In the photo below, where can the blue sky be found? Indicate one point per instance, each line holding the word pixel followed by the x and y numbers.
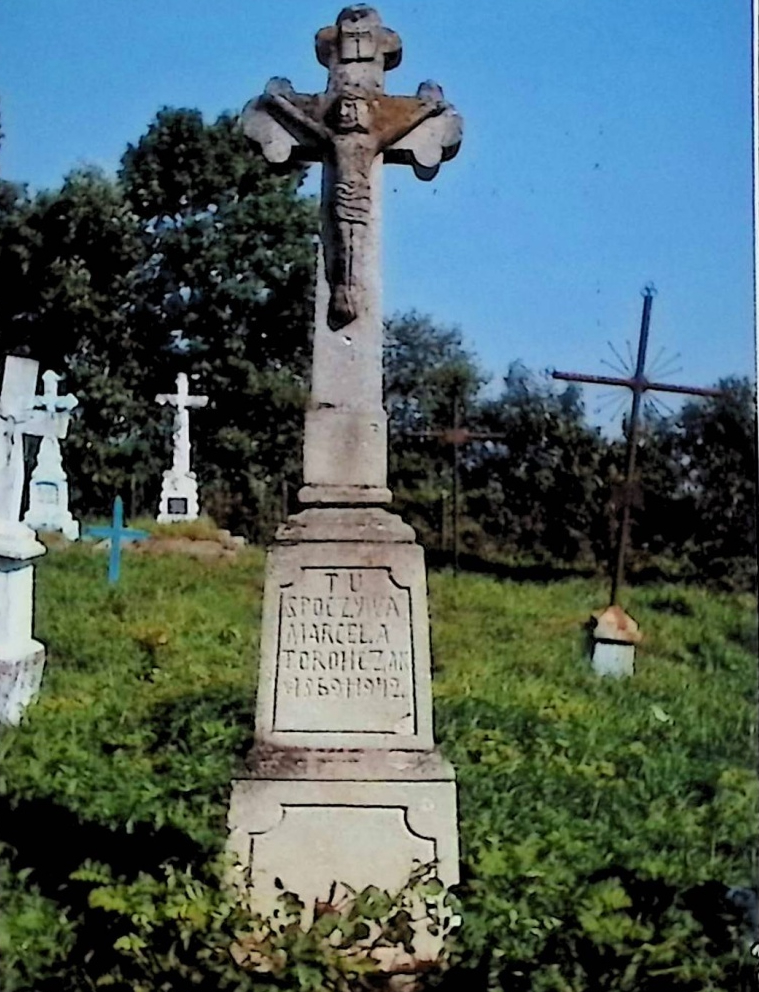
pixel 607 144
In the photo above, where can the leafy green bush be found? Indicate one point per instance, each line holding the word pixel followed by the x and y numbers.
pixel 601 821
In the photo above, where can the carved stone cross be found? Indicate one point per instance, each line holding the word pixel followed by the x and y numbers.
pixel 55 406
pixel 351 129
pixel 183 403
pixel 17 418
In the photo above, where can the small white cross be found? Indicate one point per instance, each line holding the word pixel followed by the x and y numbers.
pixel 183 403
pixel 56 407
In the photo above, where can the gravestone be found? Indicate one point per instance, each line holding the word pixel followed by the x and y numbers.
pixel 344 782
pixel 179 492
pixel 48 486
pixel 22 659
pixel 614 635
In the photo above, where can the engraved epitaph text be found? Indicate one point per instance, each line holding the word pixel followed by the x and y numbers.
pixel 345 654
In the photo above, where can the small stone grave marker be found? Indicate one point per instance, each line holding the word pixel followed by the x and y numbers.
pixel 614 634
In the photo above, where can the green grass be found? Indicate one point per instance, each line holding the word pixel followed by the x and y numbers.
pixel 600 820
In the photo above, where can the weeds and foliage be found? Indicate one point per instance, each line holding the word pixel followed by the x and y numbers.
pixel 601 822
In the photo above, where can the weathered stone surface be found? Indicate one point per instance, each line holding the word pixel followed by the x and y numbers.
pixel 22 659
pixel 356 832
pixel 345 647
pixel 351 128
pixel 48 486
pixel 20 681
pixel 17 418
pixel 614 635
pixel 343 783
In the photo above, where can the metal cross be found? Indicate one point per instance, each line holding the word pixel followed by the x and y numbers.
pixel 638 384
pixel 116 534
pixel 456 435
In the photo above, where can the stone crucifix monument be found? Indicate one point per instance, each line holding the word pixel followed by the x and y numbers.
pixel 48 486
pixel 22 659
pixel 179 492
pixel 344 782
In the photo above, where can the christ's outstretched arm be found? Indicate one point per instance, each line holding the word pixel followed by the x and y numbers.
pixel 280 97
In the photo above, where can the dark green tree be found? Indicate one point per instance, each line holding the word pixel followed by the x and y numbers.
pixel 537 492
pixel 426 368
pixel 712 453
pixel 196 258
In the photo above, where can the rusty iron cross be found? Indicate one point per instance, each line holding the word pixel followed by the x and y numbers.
pixel 638 384
pixel 347 128
pixel 456 435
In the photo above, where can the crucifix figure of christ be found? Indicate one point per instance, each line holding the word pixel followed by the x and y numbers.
pixel 456 435
pixel 351 129
pixel 638 384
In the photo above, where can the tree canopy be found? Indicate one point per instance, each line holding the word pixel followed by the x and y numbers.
pixel 198 257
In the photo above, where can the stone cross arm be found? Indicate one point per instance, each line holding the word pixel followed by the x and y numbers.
pixel 182 399
pixel 421 131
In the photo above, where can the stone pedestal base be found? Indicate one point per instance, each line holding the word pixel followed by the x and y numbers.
pixel 52 518
pixel 361 818
pixel 22 659
pixel 344 784
pixel 20 680
pixel 179 498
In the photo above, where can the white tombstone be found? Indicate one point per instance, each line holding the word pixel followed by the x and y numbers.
pixel 48 487
pixel 22 659
pixel 179 492
pixel 614 635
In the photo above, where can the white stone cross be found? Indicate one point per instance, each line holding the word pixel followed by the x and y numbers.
pixel 351 129
pixel 56 407
pixel 48 490
pixel 18 417
pixel 183 403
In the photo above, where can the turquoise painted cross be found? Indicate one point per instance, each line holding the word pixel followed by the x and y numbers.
pixel 117 534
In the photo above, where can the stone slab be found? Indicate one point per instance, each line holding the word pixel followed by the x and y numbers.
pixel 613 658
pixel 355 832
pixel 20 680
pixel 345 660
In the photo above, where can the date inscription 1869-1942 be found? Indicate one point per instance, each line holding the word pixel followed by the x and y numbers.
pixel 345 654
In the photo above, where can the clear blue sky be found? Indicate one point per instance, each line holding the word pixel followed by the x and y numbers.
pixel 607 143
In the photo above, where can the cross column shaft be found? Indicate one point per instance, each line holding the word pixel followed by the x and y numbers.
pixel 345 443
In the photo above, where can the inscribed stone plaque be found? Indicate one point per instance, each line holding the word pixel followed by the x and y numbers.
pixel 177 504
pixel 345 654
pixel 48 493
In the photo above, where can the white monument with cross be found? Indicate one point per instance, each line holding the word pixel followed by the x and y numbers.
pixel 48 486
pixel 344 782
pixel 179 492
pixel 22 659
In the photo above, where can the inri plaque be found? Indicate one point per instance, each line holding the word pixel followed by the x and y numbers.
pixel 345 654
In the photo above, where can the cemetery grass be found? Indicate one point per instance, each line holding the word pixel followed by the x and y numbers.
pixel 601 821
